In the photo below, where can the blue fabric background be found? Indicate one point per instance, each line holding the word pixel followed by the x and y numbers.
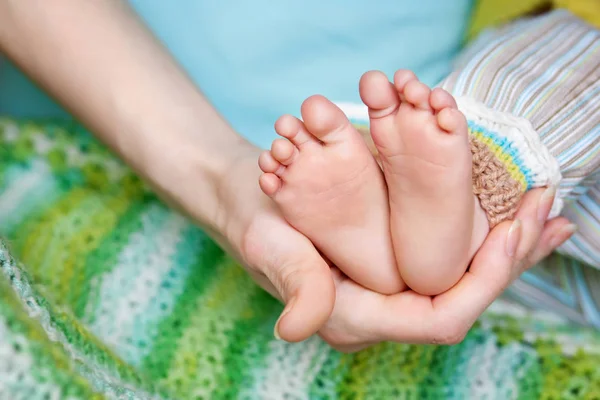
pixel 258 59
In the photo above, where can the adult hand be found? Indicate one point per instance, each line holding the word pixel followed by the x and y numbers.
pixel 279 258
pixel 286 264
pixel 133 107
pixel 362 318
pixel 116 78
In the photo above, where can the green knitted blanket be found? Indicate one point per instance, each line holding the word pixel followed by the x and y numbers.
pixel 106 293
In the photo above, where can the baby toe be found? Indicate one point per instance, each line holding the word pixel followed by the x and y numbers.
pixel 417 94
pixel 269 184
pixel 452 121
pixel 283 151
pixel 440 99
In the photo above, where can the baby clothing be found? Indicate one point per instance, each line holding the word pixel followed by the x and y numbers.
pixel 116 296
pixel 532 90
pixel 531 94
pixel 112 295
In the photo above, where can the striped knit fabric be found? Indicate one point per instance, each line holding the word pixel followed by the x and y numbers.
pixel 508 160
pixel 545 73
pixel 105 293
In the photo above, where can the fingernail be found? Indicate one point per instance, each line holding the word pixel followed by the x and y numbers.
pixel 286 310
pixel 562 235
pixel 545 203
pixel 514 237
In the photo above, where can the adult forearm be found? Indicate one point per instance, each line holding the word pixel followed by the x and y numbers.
pixel 103 65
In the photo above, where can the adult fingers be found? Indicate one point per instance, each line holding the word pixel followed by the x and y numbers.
pixel 446 319
pixel 307 287
pixel 490 273
pixel 533 213
pixel 504 254
pixel 344 331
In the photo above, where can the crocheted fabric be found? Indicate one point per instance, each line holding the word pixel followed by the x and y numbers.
pixel 508 160
pixel 105 293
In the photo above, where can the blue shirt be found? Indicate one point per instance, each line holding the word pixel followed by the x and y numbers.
pixel 256 60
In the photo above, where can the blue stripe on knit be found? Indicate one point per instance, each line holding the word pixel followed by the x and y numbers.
pixel 524 58
pixel 507 148
pixel 571 249
pixel 543 78
pixel 588 304
pixel 567 116
pixel 171 286
pixel 42 192
pixel 592 207
pixel 122 279
pixel 558 292
pixel 145 286
pixel 491 363
pixel 510 365
pixel 449 363
pixel 477 61
pixel 588 142
pixel 582 248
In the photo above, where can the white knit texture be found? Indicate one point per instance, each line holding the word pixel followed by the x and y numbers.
pixel 544 167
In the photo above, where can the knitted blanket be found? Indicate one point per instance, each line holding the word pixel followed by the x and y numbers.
pixel 106 293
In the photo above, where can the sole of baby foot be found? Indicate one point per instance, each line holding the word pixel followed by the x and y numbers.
pixel 422 140
pixel 329 187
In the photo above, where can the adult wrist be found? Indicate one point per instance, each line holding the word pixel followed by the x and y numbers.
pixel 185 164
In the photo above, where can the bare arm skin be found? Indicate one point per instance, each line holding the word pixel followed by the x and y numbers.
pixel 102 64
pixel 98 60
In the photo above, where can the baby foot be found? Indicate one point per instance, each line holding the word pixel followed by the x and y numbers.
pixel 329 187
pixel 422 140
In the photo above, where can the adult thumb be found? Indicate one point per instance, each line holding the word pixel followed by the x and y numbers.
pixel 309 292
